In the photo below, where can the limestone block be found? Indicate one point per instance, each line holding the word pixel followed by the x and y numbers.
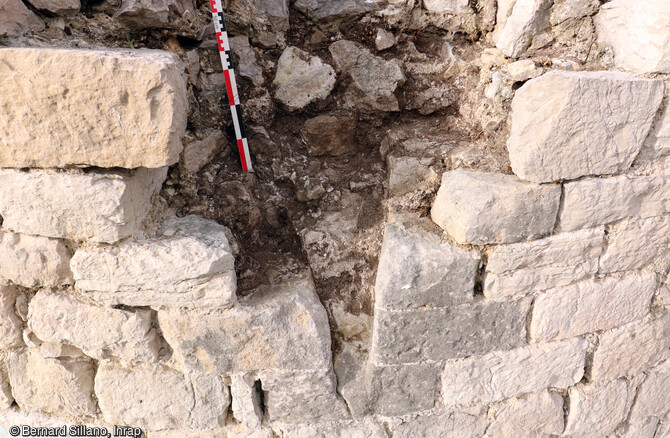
pixel 374 77
pixel 366 428
pixel 596 201
pixel 106 108
pixel 100 332
pixel 403 389
pixel 34 261
pixel 631 349
pixel 538 415
pixel 246 404
pixel 636 244
pixel 653 395
pixel 155 397
pixel 501 375
pixel 639 34
pixel 301 79
pixel 283 327
pixel 450 6
pixel 408 174
pixel 16 19
pixel 63 387
pixel 10 324
pixel 403 336
pixel 58 7
pixel 564 10
pixel 520 268
pixel 645 429
pixel 101 207
pixel 591 305
pixel 570 124
pixel 485 208
pixel 189 264
pixel 527 18
pixel 333 10
pixel 418 269
pixel 595 410
pixel 465 423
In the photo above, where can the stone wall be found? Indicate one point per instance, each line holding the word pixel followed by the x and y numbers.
pixel 519 274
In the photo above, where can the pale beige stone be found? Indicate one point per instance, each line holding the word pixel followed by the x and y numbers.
pixel 246 404
pixel 16 19
pixel 501 375
pixel 100 332
pixel 301 79
pixel 591 305
pixel 636 244
pixel 526 19
pixel 653 395
pixel 10 323
pixel 461 423
pixel 57 6
pixel 106 108
pixel 34 261
pixel 595 410
pixel 365 428
pixel 101 207
pixel 450 6
pixel 538 415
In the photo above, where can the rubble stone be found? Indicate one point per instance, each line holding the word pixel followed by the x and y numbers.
pixel 301 79
pixel 34 261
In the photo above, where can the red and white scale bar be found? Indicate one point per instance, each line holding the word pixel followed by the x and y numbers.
pixel 231 85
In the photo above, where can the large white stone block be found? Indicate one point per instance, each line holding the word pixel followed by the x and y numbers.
pixel 597 409
pixel 538 415
pixel 636 244
pixel 34 261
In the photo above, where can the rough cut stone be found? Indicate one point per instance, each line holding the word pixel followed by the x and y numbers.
pixel 200 152
pixel 528 18
pixel 402 336
pixel 16 19
pixel 56 386
pixel 408 174
pixel 34 261
pixel 301 78
pixel 418 269
pixel 501 375
pixel 591 305
pixel 246 404
pixel 106 108
pixel 450 6
pixel 101 207
pixel 570 124
pixel 384 39
pixel 330 135
pixel 521 268
pixel 58 7
pixel 631 349
pixel 376 78
pixel 564 10
pixel 595 410
pixel 464 423
pixel 189 264
pixel 332 10
pixel 100 332
pixel 366 428
pixel 653 395
pixel 141 14
pixel 596 201
pixel 10 323
pixel 538 415
pixel 284 327
pixel 155 397
pixel 484 208
pixel 636 244
pixel 639 33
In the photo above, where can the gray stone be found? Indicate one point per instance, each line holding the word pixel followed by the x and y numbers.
pixel 10 324
pixel 418 269
pixel 331 10
pixel 101 207
pixel 538 415
pixel 501 375
pixel 100 332
pixel 403 389
pixel 34 261
pixel 200 152
pixel 402 336
pixel 408 174
pixel 527 18
pixel 248 63
pixel 189 264
pixel 564 10
pixel 484 208
pixel 16 19
pixel 597 409
pixel 591 305
pixel 653 395
pixel 140 14
pixel 570 124
pixel 155 397
pixel 376 78
pixel 246 401
pixel 58 7
pixel 302 79
pixel 384 39
pixel 283 327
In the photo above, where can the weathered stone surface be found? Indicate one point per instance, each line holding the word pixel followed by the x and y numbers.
pixel 376 78
pixel 465 423
pixel 155 397
pixel 6 397
pixel 570 124
pixel 596 201
pixel 653 395
pixel 141 14
pixel 200 152
pixel 58 7
pixel 10 323
pixel 537 415
pixel 101 207
pixel 527 18
pixel 407 174
pixel 189 264
pixel 106 108
pixel 247 65
pixel 484 208
pixel 34 261
pixel 286 327
pixel 384 39
pixel 330 135
pixel 403 389
pixel 100 332
pixel 451 6
pixel 564 10
pixel 360 429
pixel 631 349
pixel 56 386
pixel 246 404
pixel 636 244
pixel 591 305
pixel 639 34
pixel 521 268
pixel 16 19
pixel 597 409
pixel 501 375
pixel 301 79
pixel 645 429
pixel 331 10
pixel 402 336
pixel 419 269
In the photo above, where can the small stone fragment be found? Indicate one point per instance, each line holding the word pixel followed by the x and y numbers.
pixel 16 19
pixel 384 39
pixel 246 403
pixel 10 324
pixel 325 11
pixel 528 18
pixel 248 64
pixel 200 152
pixel 302 79
pixel 407 174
